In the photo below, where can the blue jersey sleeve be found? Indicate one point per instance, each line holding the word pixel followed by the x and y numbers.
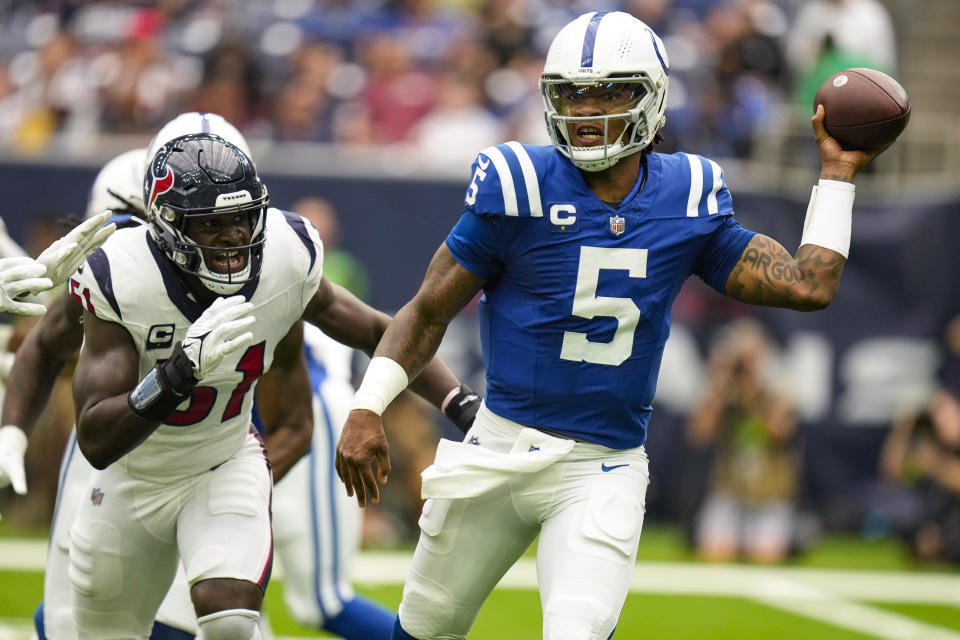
pixel 474 243
pixel 718 258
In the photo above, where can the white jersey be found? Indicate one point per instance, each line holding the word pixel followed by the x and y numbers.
pixel 130 281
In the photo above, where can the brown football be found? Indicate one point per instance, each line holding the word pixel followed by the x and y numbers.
pixel 865 108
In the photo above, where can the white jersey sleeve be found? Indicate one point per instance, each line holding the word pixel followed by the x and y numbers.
pixel 306 233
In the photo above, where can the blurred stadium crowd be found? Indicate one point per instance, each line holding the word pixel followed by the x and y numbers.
pixel 447 76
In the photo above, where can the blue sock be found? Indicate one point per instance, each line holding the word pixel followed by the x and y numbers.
pixel 399 633
pixel 38 622
pixel 165 632
pixel 362 619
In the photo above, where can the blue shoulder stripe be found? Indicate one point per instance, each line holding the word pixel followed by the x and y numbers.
pixel 519 185
pixel 706 180
pixel 100 265
pixel 530 181
pixel 298 225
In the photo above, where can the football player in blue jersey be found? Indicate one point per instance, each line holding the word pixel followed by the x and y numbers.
pixel 579 248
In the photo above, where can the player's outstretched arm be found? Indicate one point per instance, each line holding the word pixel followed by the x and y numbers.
pixel 350 321
pixel 767 274
pixel 44 352
pixel 285 403
pixel 408 344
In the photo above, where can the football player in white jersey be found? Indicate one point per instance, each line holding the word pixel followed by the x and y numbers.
pixel 181 319
pixel 580 248
pixel 318 592
pixel 117 191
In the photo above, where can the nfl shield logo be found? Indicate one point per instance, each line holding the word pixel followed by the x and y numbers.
pixel 617 225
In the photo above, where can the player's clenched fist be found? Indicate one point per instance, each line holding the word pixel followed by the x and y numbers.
pixel 221 330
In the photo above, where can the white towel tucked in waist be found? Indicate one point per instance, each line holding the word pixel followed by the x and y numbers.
pixel 463 470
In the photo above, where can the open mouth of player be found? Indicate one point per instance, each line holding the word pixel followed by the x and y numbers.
pixel 588 135
pixel 227 260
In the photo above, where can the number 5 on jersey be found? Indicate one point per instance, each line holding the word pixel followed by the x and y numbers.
pixel 587 304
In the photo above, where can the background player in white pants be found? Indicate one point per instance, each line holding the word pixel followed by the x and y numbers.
pixel 316 526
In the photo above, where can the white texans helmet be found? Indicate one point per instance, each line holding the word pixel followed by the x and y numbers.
pixel 605 54
pixel 195 122
pixel 119 188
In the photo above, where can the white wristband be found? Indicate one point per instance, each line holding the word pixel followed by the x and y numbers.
pixel 12 438
pixel 383 381
pixel 830 216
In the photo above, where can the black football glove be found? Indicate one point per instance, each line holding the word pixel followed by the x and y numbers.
pixel 463 407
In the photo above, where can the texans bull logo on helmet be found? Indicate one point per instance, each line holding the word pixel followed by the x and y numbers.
pixel 161 185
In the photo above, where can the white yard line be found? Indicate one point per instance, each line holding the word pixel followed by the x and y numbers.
pixel 823 594
pixel 20 554
pixel 16 629
pixel 863 618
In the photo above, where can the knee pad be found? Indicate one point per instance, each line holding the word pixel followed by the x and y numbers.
pixel 230 624
pixel 574 618
pixel 428 610
pixel 96 569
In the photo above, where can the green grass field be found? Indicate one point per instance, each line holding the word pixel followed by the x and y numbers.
pixel 676 598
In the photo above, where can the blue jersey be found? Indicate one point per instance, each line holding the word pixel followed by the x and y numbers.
pixel 576 305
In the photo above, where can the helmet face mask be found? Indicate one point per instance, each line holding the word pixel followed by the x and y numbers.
pixel 604 89
pixel 206 209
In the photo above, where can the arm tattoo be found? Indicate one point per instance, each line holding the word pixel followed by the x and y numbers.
pixel 766 274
